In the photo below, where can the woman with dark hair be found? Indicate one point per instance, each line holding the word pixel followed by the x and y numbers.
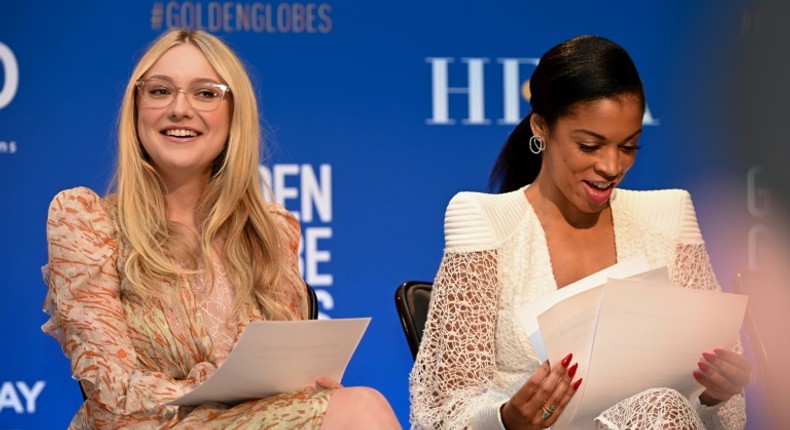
pixel 558 218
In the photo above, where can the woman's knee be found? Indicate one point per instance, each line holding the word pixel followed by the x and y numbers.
pixel 665 395
pixel 358 407
pixel 361 398
pixel 656 408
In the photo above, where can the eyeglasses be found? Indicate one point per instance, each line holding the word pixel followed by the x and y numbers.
pixel 202 96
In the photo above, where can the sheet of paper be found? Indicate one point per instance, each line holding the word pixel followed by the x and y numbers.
pixel 648 335
pixel 571 327
pixel 278 356
pixel 658 276
pixel 529 313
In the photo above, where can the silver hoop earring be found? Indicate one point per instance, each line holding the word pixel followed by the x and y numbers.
pixel 536 144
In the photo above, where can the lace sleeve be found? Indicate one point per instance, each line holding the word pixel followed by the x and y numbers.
pixel 452 375
pixel 694 270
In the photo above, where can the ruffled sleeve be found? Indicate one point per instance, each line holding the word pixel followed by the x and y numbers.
pixel 87 315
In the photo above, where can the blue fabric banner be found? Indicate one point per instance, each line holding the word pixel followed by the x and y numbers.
pixel 376 114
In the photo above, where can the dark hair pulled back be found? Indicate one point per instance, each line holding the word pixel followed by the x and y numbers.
pixel 581 69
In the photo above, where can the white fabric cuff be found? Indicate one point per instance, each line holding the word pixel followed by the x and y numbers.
pixel 488 418
pixel 706 413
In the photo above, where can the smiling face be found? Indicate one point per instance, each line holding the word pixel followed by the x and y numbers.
pixel 182 142
pixel 588 152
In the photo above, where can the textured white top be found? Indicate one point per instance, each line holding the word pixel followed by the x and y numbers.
pixel 474 355
pixel 482 220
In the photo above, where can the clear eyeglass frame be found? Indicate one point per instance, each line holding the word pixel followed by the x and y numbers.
pixel 202 96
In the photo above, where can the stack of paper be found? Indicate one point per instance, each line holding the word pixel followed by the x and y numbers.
pixel 632 334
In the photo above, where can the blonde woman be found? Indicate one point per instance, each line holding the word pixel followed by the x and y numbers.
pixel 150 286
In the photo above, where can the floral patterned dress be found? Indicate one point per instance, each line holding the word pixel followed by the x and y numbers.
pixel 133 356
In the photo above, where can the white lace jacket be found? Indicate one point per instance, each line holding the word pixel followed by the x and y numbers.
pixel 473 354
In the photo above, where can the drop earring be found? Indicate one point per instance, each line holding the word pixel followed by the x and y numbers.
pixel 536 144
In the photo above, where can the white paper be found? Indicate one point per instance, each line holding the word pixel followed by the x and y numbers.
pixel 279 356
pixel 529 313
pixel 644 335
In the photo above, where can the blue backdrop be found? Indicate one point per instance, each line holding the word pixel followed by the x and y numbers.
pixel 376 113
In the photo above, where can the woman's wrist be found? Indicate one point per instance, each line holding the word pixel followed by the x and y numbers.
pixel 706 400
pixel 500 413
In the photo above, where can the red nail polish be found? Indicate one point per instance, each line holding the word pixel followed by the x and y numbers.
pixel 703 367
pixel 708 356
pixel 572 370
pixel 567 360
pixel 577 383
pixel 697 376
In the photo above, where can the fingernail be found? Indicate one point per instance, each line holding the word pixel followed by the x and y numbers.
pixel 703 367
pixel 719 351
pixel 572 370
pixel 567 360
pixel 577 383
pixel 698 376
pixel 708 356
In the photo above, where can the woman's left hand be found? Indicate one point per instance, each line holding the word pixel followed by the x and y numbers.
pixel 723 374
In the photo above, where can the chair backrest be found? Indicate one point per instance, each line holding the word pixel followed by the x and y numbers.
pixel 412 299
pixel 312 303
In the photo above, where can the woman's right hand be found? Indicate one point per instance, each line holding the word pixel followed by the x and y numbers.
pixel 541 400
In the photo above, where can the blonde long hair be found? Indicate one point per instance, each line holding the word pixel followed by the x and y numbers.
pixel 231 212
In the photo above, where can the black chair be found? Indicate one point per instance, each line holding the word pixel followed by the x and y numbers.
pixel 312 306
pixel 412 299
pixel 312 302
